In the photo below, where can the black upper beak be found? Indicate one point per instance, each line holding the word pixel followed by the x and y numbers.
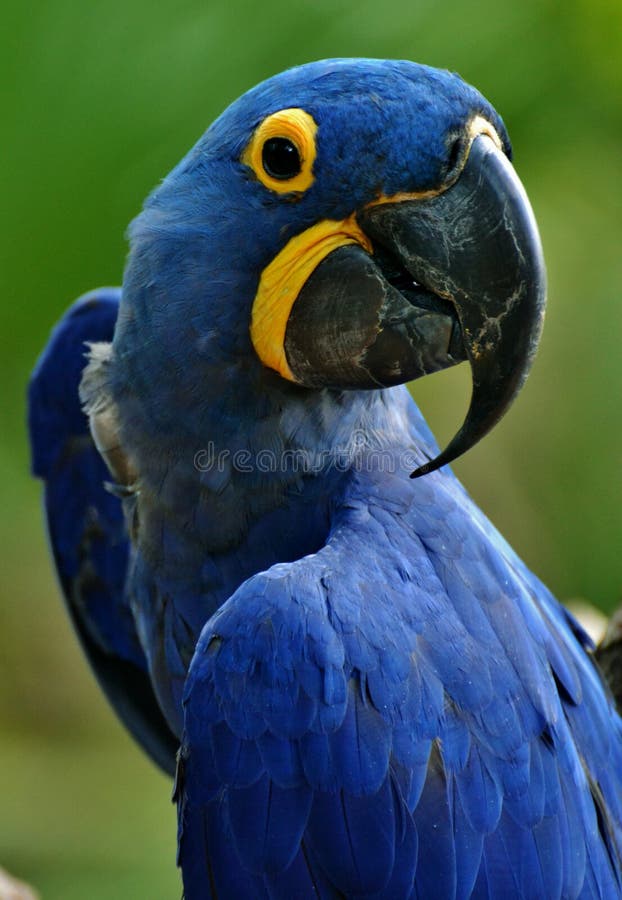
pixel 459 275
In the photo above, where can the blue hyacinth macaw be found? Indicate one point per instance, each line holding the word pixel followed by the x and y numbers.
pixel 371 695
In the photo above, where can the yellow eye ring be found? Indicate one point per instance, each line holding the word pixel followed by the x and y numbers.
pixel 288 136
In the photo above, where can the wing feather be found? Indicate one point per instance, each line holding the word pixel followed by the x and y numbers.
pixel 375 772
pixel 86 525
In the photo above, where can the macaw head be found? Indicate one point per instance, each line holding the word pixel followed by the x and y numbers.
pixel 346 225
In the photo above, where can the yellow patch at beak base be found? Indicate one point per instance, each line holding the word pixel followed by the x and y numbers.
pixel 282 280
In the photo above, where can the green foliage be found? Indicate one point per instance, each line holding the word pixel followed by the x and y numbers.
pixel 99 101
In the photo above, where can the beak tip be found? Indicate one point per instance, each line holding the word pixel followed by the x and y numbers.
pixel 431 466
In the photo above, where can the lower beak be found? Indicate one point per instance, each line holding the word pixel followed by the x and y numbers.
pixel 456 276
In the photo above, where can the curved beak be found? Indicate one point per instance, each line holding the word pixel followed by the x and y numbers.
pixel 415 284
pixel 477 245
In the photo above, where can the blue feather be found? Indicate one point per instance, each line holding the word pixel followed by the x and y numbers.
pixel 86 525
pixel 469 844
pixel 360 748
pixel 358 851
pixel 480 791
pixel 437 877
pixel 267 823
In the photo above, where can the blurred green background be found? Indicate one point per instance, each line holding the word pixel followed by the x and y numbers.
pixel 99 101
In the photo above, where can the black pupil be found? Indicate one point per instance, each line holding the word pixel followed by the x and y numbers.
pixel 280 158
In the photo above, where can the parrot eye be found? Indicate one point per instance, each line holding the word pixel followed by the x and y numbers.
pixel 282 150
pixel 280 158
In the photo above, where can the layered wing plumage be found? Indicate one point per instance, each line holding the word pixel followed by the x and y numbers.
pixel 407 723
pixel 85 522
